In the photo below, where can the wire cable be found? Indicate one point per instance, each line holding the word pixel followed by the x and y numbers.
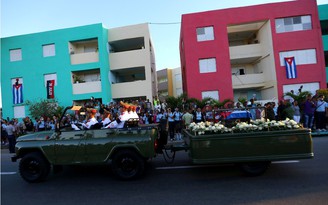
pixel 165 23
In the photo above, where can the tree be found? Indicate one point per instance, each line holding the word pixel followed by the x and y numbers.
pixel 183 101
pixel 299 97
pixel 44 108
pixel 323 92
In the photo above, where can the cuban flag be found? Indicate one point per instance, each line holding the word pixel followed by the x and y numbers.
pixel 17 92
pixel 290 67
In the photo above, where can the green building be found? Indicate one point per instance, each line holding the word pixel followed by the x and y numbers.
pixel 74 64
pixel 61 57
pixel 323 16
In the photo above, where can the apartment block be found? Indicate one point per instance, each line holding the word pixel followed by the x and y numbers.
pixel 260 51
pixel 74 64
pixel 169 82
pixel 323 16
pixel 132 63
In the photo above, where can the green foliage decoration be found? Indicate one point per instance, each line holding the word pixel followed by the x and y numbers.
pixel 44 108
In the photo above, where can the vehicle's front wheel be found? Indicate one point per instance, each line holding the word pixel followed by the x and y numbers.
pixel 254 168
pixel 33 167
pixel 127 165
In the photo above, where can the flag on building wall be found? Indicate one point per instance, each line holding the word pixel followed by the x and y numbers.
pixel 290 67
pixel 17 92
pixel 50 89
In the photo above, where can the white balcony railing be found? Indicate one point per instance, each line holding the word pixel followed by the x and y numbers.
pixel 87 87
pixel 245 51
pixel 128 59
pixel 81 58
pixel 136 88
pixel 248 80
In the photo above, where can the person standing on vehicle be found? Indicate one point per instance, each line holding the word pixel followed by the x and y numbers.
pixel 10 129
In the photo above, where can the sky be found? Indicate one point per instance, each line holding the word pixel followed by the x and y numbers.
pixel 20 17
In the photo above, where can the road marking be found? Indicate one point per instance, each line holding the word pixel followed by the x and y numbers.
pixel 286 162
pixel 187 167
pixel 7 173
pixel 216 165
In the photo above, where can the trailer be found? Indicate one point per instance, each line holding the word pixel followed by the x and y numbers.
pixel 253 152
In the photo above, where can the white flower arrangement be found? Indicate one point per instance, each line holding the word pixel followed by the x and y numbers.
pixel 202 128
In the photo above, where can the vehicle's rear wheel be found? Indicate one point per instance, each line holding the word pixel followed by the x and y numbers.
pixel 254 168
pixel 127 165
pixel 33 167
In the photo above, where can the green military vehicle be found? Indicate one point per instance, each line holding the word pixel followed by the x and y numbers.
pixel 128 148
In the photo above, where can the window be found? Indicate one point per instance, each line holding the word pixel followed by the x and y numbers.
pixel 326 58
pixel 212 94
pixel 302 57
pixel 49 50
pixel 207 65
pixel 311 87
pixel 324 27
pixel 205 33
pixel 47 77
pixel 15 55
pixel 19 112
pixel 178 77
pixel 296 23
pixel 162 80
pixel 178 91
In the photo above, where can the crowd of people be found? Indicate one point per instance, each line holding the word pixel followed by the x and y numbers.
pixel 312 113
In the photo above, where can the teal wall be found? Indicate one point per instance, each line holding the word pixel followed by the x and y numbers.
pixel 33 65
pixel 323 15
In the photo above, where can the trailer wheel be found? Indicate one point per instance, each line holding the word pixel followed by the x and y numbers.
pixel 127 165
pixel 33 167
pixel 254 168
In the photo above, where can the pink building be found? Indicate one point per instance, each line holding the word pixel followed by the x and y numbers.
pixel 242 52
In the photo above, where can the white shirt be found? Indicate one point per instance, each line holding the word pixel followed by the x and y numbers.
pixel 106 121
pixel 134 115
pixel 91 122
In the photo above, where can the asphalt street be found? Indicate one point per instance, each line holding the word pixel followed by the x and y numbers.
pixel 286 182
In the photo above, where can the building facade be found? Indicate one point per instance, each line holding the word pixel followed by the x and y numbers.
pixel 169 83
pixel 243 52
pixel 164 80
pixel 132 63
pixel 323 15
pixel 74 64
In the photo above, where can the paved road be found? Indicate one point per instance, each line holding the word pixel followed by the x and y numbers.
pixel 292 182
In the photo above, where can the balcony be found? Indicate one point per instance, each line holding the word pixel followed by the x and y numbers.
pixel 128 59
pixel 244 54
pixel 255 80
pixel 87 87
pixel 83 51
pixel 81 58
pixel 130 89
